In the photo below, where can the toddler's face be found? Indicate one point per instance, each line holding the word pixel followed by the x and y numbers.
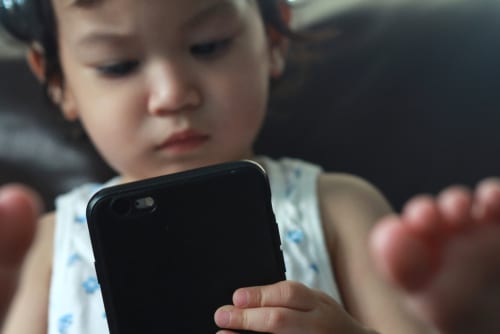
pixel 165 85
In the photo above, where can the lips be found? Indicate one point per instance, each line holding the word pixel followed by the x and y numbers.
pixel 184 141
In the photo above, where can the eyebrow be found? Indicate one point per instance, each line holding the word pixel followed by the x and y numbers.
pixel 223 5
pixel 104 38
pixel 82 3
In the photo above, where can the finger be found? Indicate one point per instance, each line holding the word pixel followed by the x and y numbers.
pixel 455 205
pixel 487 201
pixel 288 294
pixel 266 319
pixel 391 242
pixel 422 216
pixel 19 200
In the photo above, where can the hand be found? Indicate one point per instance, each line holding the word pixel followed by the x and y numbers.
pixel 19 210
pixel 285 307
pixel 442 253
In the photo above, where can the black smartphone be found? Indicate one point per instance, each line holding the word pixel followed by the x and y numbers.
pixel 171 250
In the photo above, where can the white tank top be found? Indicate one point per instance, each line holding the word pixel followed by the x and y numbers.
pixel 75 304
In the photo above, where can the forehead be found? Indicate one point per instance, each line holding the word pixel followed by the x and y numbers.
pixel 78 19
pixel 119 13
pixel 163 7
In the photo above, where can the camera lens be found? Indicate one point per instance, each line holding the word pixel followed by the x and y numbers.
pixel 121 206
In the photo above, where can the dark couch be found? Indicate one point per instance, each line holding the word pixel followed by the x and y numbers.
pixel 406 96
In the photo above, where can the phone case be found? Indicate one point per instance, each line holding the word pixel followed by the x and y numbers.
pixel 170 250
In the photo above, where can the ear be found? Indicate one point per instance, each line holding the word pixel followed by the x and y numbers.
pixel 36 61
pixel 66 100
pixel 279 43
pixel 278 59
pixel 61 97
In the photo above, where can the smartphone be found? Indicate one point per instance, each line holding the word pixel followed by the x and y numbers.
pixel 171 250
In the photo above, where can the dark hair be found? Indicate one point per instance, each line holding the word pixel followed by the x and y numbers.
pixel 33 21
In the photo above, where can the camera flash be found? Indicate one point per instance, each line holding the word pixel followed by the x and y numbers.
pixel 144 203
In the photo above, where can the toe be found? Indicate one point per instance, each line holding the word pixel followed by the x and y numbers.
pixel 455 205
pixel 487 201
pixel 422 216
pixel 401 257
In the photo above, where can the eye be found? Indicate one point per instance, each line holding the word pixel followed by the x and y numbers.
pixel 211 49
pixel 118 69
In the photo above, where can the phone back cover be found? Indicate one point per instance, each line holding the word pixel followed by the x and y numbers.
pixel 168 270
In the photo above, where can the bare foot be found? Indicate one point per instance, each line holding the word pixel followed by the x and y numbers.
pixel 19 210
pixel 444 255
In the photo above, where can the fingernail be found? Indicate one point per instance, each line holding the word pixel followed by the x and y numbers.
pixel 241 298
pixel 223 317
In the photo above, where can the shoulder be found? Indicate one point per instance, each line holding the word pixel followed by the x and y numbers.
pixel 349 204
pixel 348 192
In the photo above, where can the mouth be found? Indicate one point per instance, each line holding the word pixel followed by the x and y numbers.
pixel 184 141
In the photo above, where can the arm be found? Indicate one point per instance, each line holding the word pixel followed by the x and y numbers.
pixel 28 312
pixel 350 207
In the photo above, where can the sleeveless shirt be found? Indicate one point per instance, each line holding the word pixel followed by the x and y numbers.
pixel 75 301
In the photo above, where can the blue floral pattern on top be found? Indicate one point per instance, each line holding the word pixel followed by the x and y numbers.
pixel 65 323
pixel 82 220
pixel 73 259
pixel 294 188
pixel 296 236
pixel 91 285
pixel 314 267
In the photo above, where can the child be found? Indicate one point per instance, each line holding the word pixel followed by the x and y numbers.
pixel 163 86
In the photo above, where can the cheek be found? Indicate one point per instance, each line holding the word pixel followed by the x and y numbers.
pixel 109 119
pixel 252 100
pixel 104 104
pixel 112 136
pixel 244 111
pixel 103 112
pixel 246 88
pixel 106 134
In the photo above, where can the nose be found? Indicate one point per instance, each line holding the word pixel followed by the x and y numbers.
pixel 172 90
